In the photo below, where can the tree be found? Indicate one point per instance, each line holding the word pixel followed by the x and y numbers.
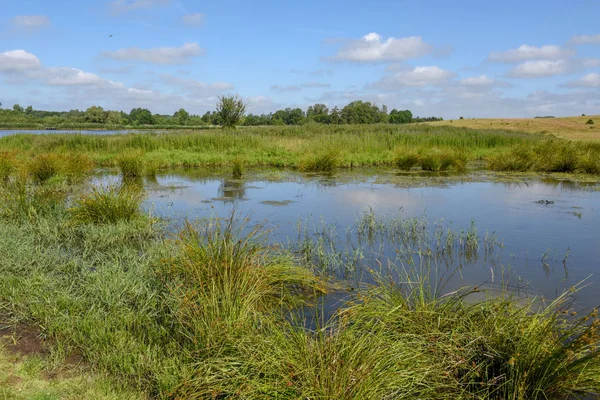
pixel 318 113
pixel 141 116
pixel 400 117
pixel 230 110
pixel 336 116
pixel 114 118
pixel 181 117
pixel 96 115
pixel 17 108
pixel 361 112
pixel 29 110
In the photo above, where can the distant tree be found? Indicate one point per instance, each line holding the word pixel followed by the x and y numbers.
pixel 141 116
pixel 114 118
pixel 96 115
pixel 361 112
pixel 318 113
pixel 400 117
pixel 29 110
pixel 336 116
pixel 462 118
pixel 17 108
pixel 230 110
pixel 181 117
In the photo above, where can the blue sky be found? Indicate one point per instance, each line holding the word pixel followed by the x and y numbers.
pixel 449 59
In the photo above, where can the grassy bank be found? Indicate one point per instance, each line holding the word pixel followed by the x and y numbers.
pixel 317 148
pixel 215 310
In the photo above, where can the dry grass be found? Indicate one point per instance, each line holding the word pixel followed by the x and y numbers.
pixel 572 128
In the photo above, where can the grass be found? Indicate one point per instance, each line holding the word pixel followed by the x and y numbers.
pixel 25 377
pixel 218 311
pixel 311 148
pixel 108 205
pixel 570 128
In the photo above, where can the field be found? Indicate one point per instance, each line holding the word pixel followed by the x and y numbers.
pixel 571 128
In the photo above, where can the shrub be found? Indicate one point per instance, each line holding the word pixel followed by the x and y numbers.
pixel 230 110
pixel 590 122
pixel 108 205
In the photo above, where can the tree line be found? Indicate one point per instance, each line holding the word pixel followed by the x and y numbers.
pixel 356 112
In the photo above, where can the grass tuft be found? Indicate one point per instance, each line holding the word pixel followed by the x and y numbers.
pixel 43 167
pixel 320 162
pixel 108 205
pixel 405 159
pixel 131 165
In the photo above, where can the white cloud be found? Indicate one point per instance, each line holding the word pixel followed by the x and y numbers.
pixel 124 6
pixel 539 69
pixel 372 48
pixel 587 81
pixel 417 77
pixel 31 22
pixel 481 80
pixel 65 76
pixel 158 55
pixel 299 87
pixel 16 61
pixel 527 53
pixel 193 20
pixel 546 68
pixel 586 39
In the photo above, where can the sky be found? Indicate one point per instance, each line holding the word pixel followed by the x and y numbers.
pixel 434 57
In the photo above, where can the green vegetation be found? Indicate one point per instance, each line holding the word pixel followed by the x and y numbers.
pixel 432 148
pixel 219 310
pixel 108 205
pixel 230 111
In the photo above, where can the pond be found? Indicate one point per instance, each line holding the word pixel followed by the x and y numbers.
pixel 472 230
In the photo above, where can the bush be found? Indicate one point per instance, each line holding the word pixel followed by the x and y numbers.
pixel 590 122
pixel 108 205
pixel 230 110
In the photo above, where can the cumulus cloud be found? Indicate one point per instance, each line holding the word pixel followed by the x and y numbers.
pixel 586 39
pixel 299 87
pixel 372 48
pixel 539 69
pixel 591 80
pixel 527 53
pixel 31 23
pixel 193 20
pixel 158 55
pixel 546 68
pixel 65 76
pixel 16 61
pixel 416 77
pixel 124 6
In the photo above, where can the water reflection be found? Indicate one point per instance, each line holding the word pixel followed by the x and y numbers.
pixel 544 247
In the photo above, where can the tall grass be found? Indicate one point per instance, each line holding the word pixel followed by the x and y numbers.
pixel 108 205
pixel 319 162
pixel 6 166
pixel 131 165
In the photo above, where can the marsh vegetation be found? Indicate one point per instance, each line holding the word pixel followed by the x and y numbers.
pixel 216 308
